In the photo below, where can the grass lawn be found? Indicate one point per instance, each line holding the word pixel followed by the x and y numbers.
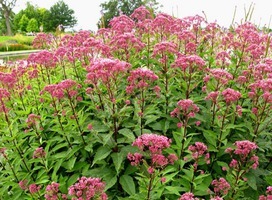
pixel 25 42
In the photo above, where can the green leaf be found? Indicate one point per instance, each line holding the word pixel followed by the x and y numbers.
pixel 71 162
pixel 102 153
pixel 173 190
pixel 117 159
pixel 128 134
pixel 210 136
pixel 251 180
pixel 110 183
pixel 151 118
pixel 72 179
pixel 127 184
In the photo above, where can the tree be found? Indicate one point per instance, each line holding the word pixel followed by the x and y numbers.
pixel 114 8
pixel 32 25
pixel 6 7
pixel 60 13
pixel 31 12
pixel 23 23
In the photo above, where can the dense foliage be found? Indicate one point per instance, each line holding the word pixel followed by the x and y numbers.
pixel 150 108
pixel 36 19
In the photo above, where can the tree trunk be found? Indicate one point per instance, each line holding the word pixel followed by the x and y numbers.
pixel 9 31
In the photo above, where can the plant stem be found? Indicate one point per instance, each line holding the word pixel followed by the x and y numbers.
pixel 149 187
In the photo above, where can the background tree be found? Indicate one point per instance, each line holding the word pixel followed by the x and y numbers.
pixel 3 28
pixel 6 7
pixel 114 8
pixel 32 25
pixel 31 12
pixel 23 23
pixel 60 13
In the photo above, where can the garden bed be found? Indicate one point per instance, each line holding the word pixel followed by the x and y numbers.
pixel 151 108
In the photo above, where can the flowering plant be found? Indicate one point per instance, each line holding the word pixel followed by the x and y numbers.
pixel 153 107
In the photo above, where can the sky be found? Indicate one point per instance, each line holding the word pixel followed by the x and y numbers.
pixel 87 12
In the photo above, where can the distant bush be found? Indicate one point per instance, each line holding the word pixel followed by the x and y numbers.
pixel 14 47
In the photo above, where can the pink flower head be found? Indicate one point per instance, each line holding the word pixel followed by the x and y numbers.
pixel 186 107
pixel 221 186
pixel 172 158
pixel 212 96
pixel 105 70
pixel 164 47
pixel 42 40
pixel 135 159
pixel 140 78
pixel 39 153
pixel 198 149
pixel 189 62
pixel 4 94
pixel 231 95
pixel 244 147
pixel 221 75
pixel 140 14
pixel 125 41
pixel 32 119
pixel 234 163
pixel 90 127
pixel 122 24
pixel 159 160
pixel 52 191
pixel 239 110
pixel 187 196
pixel 152 142
pixel 162 23
pixel 23 184
pixel 87 188
pixel 33 188
pixel 150 170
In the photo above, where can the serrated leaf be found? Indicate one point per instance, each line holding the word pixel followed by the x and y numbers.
pixel 72 179
pixel 102 153
pixel 71 162
pixel 127 133
pixel 127 184
pixel 111 183
pixel 117 159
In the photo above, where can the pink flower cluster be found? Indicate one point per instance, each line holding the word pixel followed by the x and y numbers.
pixel 32 188
pixel 122 24
pixel 231 95
pixel 88 188
pixel 39 153
pixel 220 75
pixel 151 147
pixel 8 80
pixel 245 152
pixel 198 150
pixel 191 62
pixel 59 90
pixel 188 196
pixel 42 40
pixel 32 119
pixel 140 14
pixel 221 186
pixel 141 79
pixel 105 70
pixel 52 192
pixel 125 42
pixel 268 194
pixel 185 107
pixel 164 47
